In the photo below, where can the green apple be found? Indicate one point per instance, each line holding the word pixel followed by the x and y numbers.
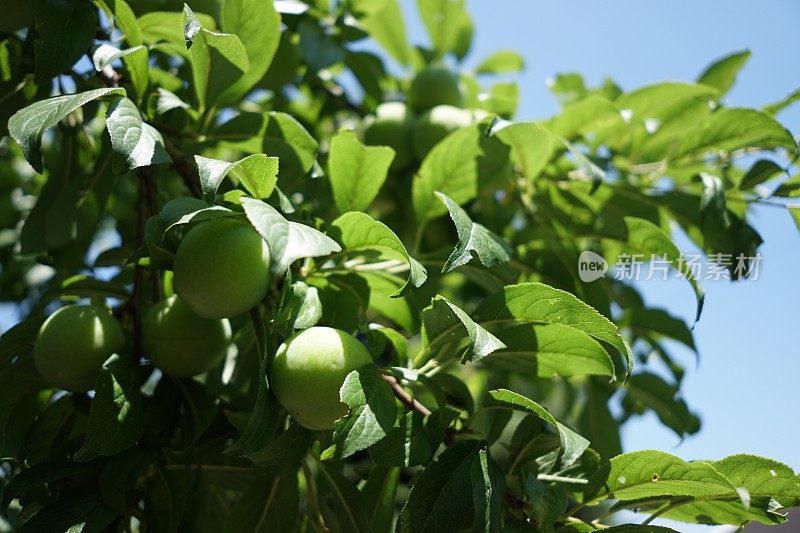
pixel 73 343
pixel 391 126
pixel 434 125
pixel 221 268
pixel 181 343
pixel 308 371
pixel 434 86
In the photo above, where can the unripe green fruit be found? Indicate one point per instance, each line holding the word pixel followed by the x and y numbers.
pixel 434 86
pixel 221 268
pixel 434 125
pixel 73 343
pixel 181 343
pixel 392 127
pixel 308 371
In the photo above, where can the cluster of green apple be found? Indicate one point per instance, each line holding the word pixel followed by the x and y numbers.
pixel 433 109
pixel 221 270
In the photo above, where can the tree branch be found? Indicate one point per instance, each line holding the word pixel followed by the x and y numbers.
pixel 185 168
pixel 404 396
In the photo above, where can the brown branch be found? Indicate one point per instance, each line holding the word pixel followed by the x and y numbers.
pixel 133 305
pixel 185 168
pixel 149 191
pixel 404 396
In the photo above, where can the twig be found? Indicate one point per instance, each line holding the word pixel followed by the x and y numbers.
pixel 149 190
pixel 404 396
pixel 561 479
pixel 185 168
pixel 133 304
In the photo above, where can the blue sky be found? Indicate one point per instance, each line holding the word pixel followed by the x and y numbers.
pixel 745 385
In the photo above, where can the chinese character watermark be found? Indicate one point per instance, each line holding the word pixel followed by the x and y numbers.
pixel 641 267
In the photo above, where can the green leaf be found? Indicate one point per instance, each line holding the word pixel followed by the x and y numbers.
pixel 345 500
pixel 186 210
pixel 769 484
pixel 274 133
pixel 658 116
pixel 379 494
pixel 382 286
pixel 287 241
pixel 488 485
pixel 721 74
pixel 82 513
pixel 643 236
pixel 271 504
pixel 167 26
pixel 65 30
pixel 135 59
pixel 85 286
pixel 105 54
pixel 548 502
pixel 587 170
pixel 572 444
pixel 27 126
pixel 256 435
pixel 373 410
pixel 444 20
pixel 648 391
pixel 591 115
pixel 658 323
pixel 383 20
pixel 451 168
pixel 776 107
pixel 502 62
pixel 357 172
pixel 549 350
pixel 19 381
pixel 445 325
pixel 358 231
pixel 794 212
pixel 119 477
pixel 218 60
pixel 135 143
pixel 531 145
pixel 116 418
pixel 441 498
pixel 258 174
pixel 300 307
pixel 732 129
pixel 167 101
pixel 636 528
pixel 473 237
pixel 541 304
pixel 761 171
pixel 407 444
pixel 654 474
pixel 344 299
pixel 287 449
pixel 258 26
pixel 19 339
pixel 124 19
pixel 40 475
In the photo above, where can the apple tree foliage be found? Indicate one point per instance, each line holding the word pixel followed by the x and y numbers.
pixel 125 124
